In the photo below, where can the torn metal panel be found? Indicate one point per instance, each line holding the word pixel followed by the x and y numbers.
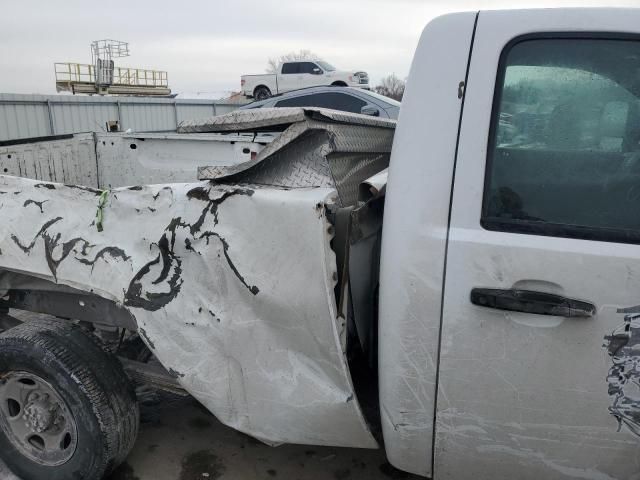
pixel 270 117
pixel 357 246
pixel 316 148
pixel 350 169
pixel 373 187
pixel 364 264
pixel 232 287
pixel 244 120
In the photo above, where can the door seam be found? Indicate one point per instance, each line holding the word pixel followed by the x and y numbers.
pixel 446 247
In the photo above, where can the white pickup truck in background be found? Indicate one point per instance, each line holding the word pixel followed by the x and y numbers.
pixel 300 74
pixel 486 297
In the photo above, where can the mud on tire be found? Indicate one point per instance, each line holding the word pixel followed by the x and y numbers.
pixel 50 370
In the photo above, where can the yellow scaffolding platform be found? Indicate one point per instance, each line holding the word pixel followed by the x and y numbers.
pixel 81 78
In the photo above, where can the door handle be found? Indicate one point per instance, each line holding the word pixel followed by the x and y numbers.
pixel 530 301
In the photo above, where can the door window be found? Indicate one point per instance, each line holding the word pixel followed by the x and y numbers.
pixel 291 67
pixel 564 152
pixel 334 100
pixel 307 67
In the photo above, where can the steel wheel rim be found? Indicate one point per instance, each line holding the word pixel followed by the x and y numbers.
pixel 36 419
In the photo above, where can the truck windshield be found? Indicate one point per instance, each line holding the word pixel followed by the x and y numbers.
pixel 326 66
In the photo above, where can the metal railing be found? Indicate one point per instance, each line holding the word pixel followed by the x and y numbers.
pixel 85 73
pixel 75 72
pixel 140 77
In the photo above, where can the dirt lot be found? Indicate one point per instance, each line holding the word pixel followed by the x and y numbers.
pixel 180 440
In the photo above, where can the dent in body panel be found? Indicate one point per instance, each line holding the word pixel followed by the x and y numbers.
pixel 232 288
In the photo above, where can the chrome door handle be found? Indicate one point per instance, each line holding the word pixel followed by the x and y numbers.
pixel 529 301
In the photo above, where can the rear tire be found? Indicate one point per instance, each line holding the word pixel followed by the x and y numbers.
pixel 261 93
pixel 338 84
pixel 56 382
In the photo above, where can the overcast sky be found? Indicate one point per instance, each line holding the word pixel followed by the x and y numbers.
pixel 206 45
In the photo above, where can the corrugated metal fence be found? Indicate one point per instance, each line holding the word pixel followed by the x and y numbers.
pixel 24 116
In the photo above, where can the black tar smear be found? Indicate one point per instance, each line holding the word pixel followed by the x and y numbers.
pixel 51 242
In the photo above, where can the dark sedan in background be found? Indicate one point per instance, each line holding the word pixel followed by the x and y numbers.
pixel 347 99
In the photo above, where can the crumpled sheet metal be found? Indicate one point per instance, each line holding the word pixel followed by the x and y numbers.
pixel 230 286
pixel 251 119
pixel 373 187
pixel 313 151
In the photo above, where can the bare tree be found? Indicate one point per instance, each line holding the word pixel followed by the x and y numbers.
pixel 391 86
pixel 273 63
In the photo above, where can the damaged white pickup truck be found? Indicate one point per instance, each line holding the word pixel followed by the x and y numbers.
pixel 488 288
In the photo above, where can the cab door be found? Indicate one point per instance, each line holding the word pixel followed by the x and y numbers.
pixel 311 75
pixel 290 77
pixel 539 373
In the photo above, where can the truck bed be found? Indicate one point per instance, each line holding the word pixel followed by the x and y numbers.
pixel 109 160
pixel 230 281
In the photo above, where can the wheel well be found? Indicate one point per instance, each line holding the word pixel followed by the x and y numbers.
pixel 67 363
pixel 339 83
pixel 259 87
pixel 34 294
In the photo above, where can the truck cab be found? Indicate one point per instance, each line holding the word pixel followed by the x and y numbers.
pixel 295 75
pixel 509 285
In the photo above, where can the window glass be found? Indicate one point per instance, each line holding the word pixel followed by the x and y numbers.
pixel 307 67
pixel 334 100
pixel 291 67
pixel 564 156
pixel 383 98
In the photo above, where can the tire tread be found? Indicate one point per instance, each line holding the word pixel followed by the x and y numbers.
pixel 97 373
